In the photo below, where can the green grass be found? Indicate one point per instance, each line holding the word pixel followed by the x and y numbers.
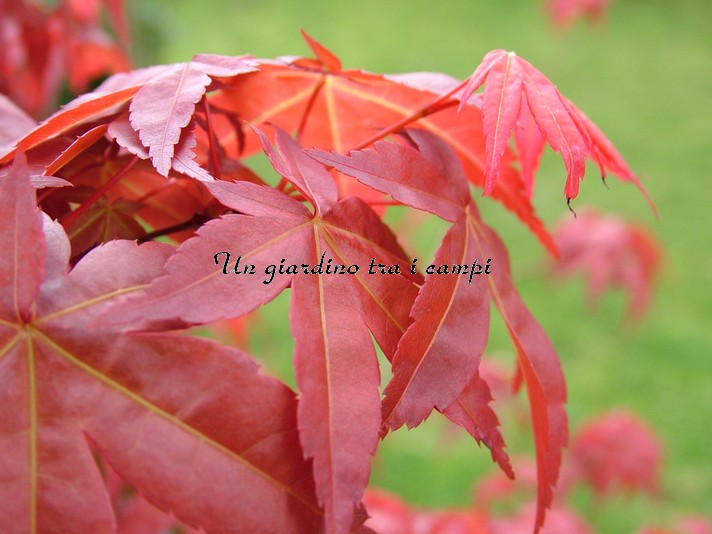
pixel 646 78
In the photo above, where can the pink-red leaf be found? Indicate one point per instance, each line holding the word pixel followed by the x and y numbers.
pixel 357 236
pixel 184 157
pixel 22 268
pixel 499 113
pixel 163 107
pixel 165 104
pixel 440 352
pixel 539 366
pixel 390 168
pixel 69 389
pixel 472 412
pixel 210 277
pixel 557 126
pixel 338 377
pixel 312 180
pixel 510 82
pixel 530 144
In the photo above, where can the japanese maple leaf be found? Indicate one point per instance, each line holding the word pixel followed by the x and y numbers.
pixel 514 87
pixel 113 197
pixel 164 105
pixel 342 109
pixel 610 252
pixel 166 411
pixel 439 354
pixel 330 314
pixel 117 194
pixel 161 102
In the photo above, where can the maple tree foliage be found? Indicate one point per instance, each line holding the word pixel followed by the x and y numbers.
pixel 94 366
pixel 72 390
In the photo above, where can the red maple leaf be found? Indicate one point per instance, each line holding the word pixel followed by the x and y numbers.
pixel 439 354
pixel 116 191
pixel 514 90
pixel 331 314
pixel 342 109
pixel 166 411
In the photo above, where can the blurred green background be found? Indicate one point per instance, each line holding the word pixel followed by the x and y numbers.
pixel 645 77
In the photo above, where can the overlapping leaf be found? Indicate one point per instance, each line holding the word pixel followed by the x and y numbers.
pixel 116 196
pixel 430 339
pixel 336 371
pixel 166 103
pixel 162 103
pixel 166 411
pixel 335 109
